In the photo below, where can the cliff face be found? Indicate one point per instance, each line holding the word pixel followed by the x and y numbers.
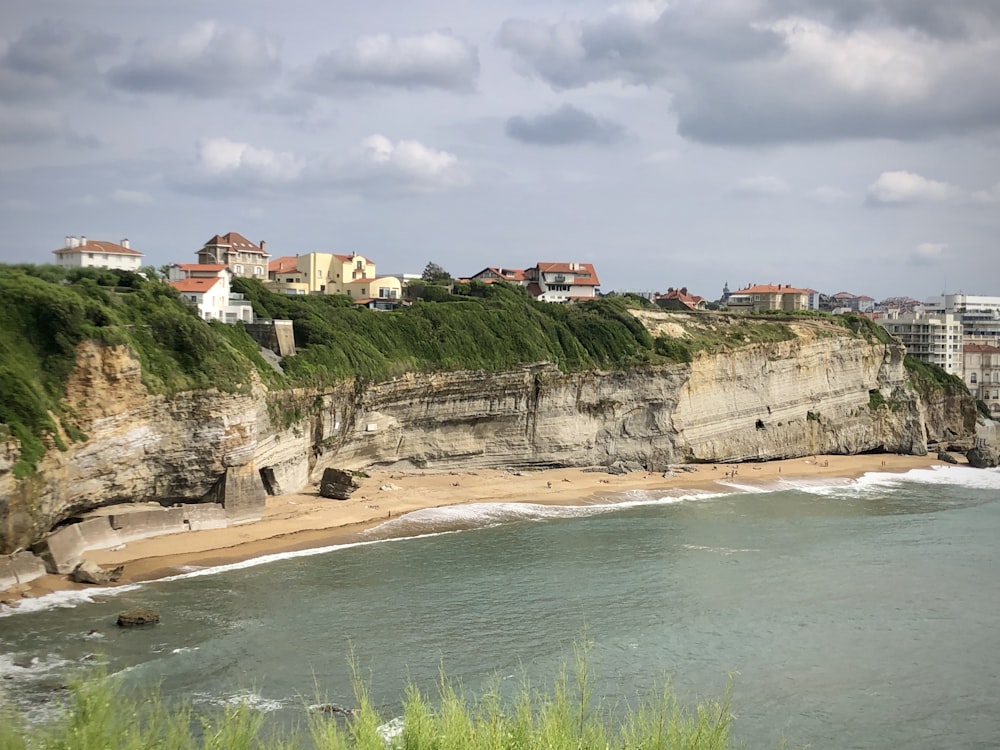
pixel 813 394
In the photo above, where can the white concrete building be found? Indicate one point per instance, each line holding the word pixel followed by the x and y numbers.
pixel 79 252
pixel 208 286
pixel 934 338
pixel 979 314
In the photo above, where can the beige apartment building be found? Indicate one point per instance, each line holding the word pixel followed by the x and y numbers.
pixel 332 273
pixel 763 297
pixel 982 375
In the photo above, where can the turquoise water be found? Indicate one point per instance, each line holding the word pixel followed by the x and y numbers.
pixel 862 614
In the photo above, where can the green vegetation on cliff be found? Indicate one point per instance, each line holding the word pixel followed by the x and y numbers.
pixel 47 312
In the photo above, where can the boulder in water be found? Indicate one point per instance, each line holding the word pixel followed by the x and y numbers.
pixel 135 617
pixel 946 457
pixel 982 457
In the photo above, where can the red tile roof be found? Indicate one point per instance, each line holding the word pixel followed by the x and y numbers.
pixel 771 289
pixel 236 241
pixel 981 349
pixel 98 246
pixel 515 275
pixel 198 285
pixel 284 264
pixel 583 273
pixel 349 258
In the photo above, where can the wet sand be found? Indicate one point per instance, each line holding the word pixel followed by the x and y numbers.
pixel 306 520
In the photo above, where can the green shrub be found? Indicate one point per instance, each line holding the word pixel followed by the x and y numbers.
pixel 100 715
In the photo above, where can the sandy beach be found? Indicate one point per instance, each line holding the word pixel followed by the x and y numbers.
pixel 306 520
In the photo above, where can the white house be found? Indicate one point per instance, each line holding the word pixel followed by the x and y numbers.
pixel 561 282
pixel 208 286
pixel 79 252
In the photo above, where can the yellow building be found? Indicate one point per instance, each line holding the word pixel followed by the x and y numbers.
pixel 332 273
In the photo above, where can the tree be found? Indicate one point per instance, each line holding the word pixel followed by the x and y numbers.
pixel 434 274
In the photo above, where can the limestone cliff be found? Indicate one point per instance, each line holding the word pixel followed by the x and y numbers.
pixel 824 391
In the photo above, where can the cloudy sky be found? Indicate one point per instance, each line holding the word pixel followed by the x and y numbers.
pixel 840 145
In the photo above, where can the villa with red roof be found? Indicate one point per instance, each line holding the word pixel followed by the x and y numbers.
pixel 562 282
pixel 492 274
pixel 763 297
pixel 79 252
pixel 236 252
pixel 207 286
pixel 680 299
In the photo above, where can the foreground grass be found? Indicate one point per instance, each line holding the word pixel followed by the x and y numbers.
pixel 99 716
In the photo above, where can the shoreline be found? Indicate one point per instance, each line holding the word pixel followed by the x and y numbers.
pixel 305 520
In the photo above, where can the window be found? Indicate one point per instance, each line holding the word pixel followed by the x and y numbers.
pixel 359 265
pixel 238 269
pixel 972 378
pixel 558 287
pixel 258 271
pixel 319 273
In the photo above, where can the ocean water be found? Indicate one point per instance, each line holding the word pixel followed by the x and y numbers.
pixel 848 614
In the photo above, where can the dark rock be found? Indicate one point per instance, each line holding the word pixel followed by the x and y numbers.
pixel 982 457
pixel 337 484
pixel 946 457
pixel 134 617
pixel 90 572
pixel 333 708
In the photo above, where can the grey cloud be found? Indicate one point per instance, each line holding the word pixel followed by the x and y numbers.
pixel 434 60
pixel 209 59
pixel 781 72
pixel 50 58
pixel 30 128
pixel 638 50
pixel 564 126
pixel 960 18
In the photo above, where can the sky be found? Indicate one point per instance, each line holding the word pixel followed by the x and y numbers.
pixel 848 145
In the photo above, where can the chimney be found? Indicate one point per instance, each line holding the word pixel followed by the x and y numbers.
pixel 125 244
pixel 69 241
pixel 83 241
pixel 263 244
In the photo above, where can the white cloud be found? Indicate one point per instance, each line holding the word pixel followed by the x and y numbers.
pixel 902 188
pixel 437 59
pixel 223 158
pixel 929 253
pixel 132 197
pixel 889 64
pixel 406 165
pixel 208 59
pixel 760 186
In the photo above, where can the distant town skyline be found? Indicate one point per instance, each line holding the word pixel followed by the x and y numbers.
pixel 843 147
